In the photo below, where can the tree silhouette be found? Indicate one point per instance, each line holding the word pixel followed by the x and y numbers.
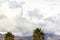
pixel 38 34
pixel 9 36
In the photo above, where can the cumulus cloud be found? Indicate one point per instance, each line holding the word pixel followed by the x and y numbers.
pixel 23 25
pixel 20 25
pixel 50 19
pixel 35 14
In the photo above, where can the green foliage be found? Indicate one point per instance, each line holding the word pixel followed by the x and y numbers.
pixel 9 36
pixel 38 34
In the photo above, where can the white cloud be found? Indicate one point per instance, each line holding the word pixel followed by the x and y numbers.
pixel 17 23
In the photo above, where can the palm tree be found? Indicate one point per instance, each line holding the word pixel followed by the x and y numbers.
pixel 9 36
pixel 38 34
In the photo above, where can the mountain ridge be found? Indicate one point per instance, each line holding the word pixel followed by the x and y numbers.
pixel 48 36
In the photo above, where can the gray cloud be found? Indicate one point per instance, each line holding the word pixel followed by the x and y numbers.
pixel 2 17
pixel 22 24
pixel 53 19
pixel 35 14
pixel 14 4
pixel 42 25
pixel 2 29
pixel 50 19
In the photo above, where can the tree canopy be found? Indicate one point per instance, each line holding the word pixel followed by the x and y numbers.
pixel 38 34
pixel 9 36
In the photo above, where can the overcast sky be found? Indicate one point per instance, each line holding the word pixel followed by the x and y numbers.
pixel 22 16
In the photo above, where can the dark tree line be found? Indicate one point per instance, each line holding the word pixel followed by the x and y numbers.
pixel 38 34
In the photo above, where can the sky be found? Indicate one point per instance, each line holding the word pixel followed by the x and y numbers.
pixel 21 17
